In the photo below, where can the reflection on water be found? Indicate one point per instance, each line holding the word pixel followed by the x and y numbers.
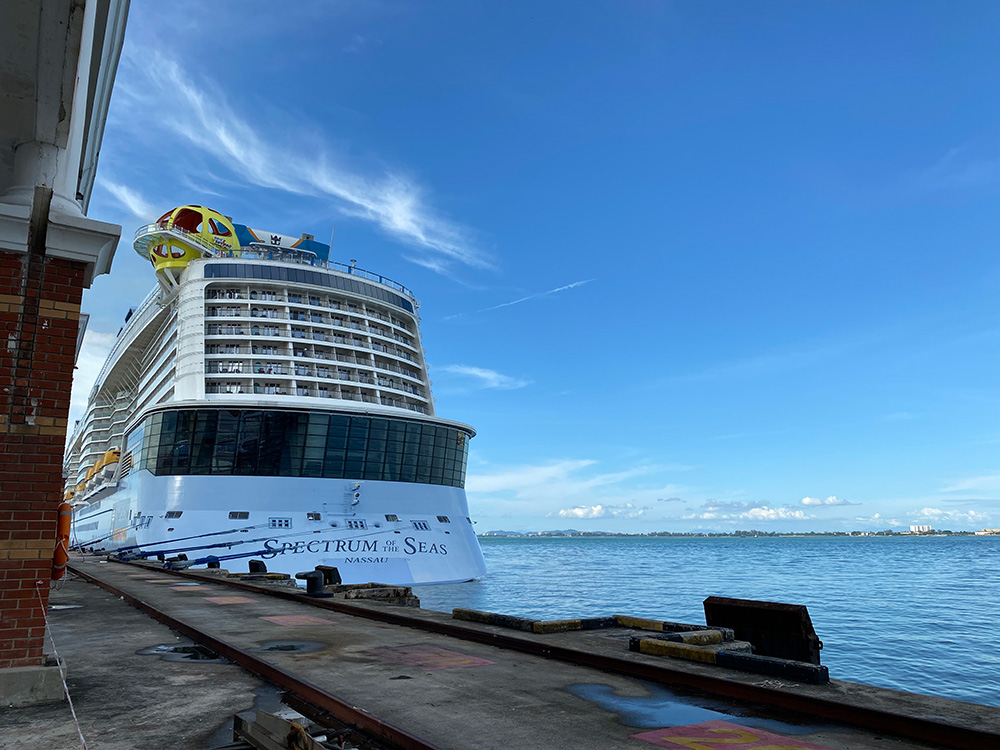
pixel 911 613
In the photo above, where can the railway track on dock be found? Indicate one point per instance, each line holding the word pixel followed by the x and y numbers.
pixel 808 705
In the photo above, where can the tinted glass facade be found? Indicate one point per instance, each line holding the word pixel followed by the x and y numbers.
pixel 302 444
pixel 294 275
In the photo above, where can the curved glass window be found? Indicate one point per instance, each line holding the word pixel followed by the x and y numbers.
pixel 302 444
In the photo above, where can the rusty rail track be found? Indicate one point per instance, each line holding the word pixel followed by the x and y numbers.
pixel 364 722
pixel 810 706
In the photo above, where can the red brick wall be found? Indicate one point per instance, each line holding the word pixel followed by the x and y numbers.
pixel 39 316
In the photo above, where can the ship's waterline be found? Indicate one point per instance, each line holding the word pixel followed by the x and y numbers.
pixel 265 402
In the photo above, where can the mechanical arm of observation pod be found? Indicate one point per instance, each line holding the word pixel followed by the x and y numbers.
pixel 182 235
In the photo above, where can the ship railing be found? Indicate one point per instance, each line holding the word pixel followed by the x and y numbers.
pixel 233 350
pixel 246 314
pixel 397 370
pixel 261 253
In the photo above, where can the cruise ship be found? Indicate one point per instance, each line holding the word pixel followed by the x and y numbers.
pixel 264 403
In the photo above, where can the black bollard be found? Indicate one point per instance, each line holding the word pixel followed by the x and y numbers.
pixel 257 566
pixel 331 576
pixel 213 562
pixel 314 582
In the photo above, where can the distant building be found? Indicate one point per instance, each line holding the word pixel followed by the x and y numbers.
pixel 921 529
pixel 988 532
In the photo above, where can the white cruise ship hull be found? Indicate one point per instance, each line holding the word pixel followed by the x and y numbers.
pixel 268 403
pixel 293 523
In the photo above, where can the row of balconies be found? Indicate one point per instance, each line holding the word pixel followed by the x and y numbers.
pixel 260 295
pixel 213 367
pixel 273 351
pixel 237 329
pixel 309 390
pixel 266 314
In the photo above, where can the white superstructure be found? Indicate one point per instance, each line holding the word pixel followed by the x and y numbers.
pixel 263 399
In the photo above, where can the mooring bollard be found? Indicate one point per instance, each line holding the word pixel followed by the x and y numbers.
pixel 257 566
pixel 331 576
pixel 213 562
pixel 314 582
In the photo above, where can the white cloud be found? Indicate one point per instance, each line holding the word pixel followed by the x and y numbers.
pixel 537 295
pixel 523 477
pixel 937 516
pixel 93 351
pixel 831 500
pixel 574 285
pixel 628 510
pixel 293 162
pixel 878 520
pixel 543 490
pixel 487 378
pixel 984 482
pixel 765 513
pixel 714 510
pixel 131 199
pixel 959 168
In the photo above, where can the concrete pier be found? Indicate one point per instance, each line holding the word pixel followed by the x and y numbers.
pixel 448 691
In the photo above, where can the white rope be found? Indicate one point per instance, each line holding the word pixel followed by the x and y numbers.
pixel 59 664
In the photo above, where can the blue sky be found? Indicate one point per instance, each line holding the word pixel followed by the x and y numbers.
pixel 684 266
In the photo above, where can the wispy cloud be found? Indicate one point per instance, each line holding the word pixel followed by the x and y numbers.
pixel 575 486
pixel 297 162
pixel 131 199
pixel 831 500
pixel 537 295
pixel 936 515
pixel 574 285
pixel 899 416
pixel 359 43
pixel 982 482
pixel 959 168
pixel 804 356
pixel 486 378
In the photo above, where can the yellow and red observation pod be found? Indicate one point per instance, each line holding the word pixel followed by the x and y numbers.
pixel 184 234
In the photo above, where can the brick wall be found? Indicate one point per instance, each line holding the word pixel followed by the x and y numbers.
pixel 39 321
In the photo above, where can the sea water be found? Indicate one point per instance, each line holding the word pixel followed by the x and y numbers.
pixel 912 613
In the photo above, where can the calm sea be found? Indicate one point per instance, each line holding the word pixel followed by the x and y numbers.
pixel 912 613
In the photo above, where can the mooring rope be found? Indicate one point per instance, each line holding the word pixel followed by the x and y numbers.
pixel 59 664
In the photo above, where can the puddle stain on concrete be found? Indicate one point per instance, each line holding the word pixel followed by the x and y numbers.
pixel 292 620
pixel 184 651
pixel 666 708
pixel 300 647
pixel 427 657
pixel 230 600
pixel 718 733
